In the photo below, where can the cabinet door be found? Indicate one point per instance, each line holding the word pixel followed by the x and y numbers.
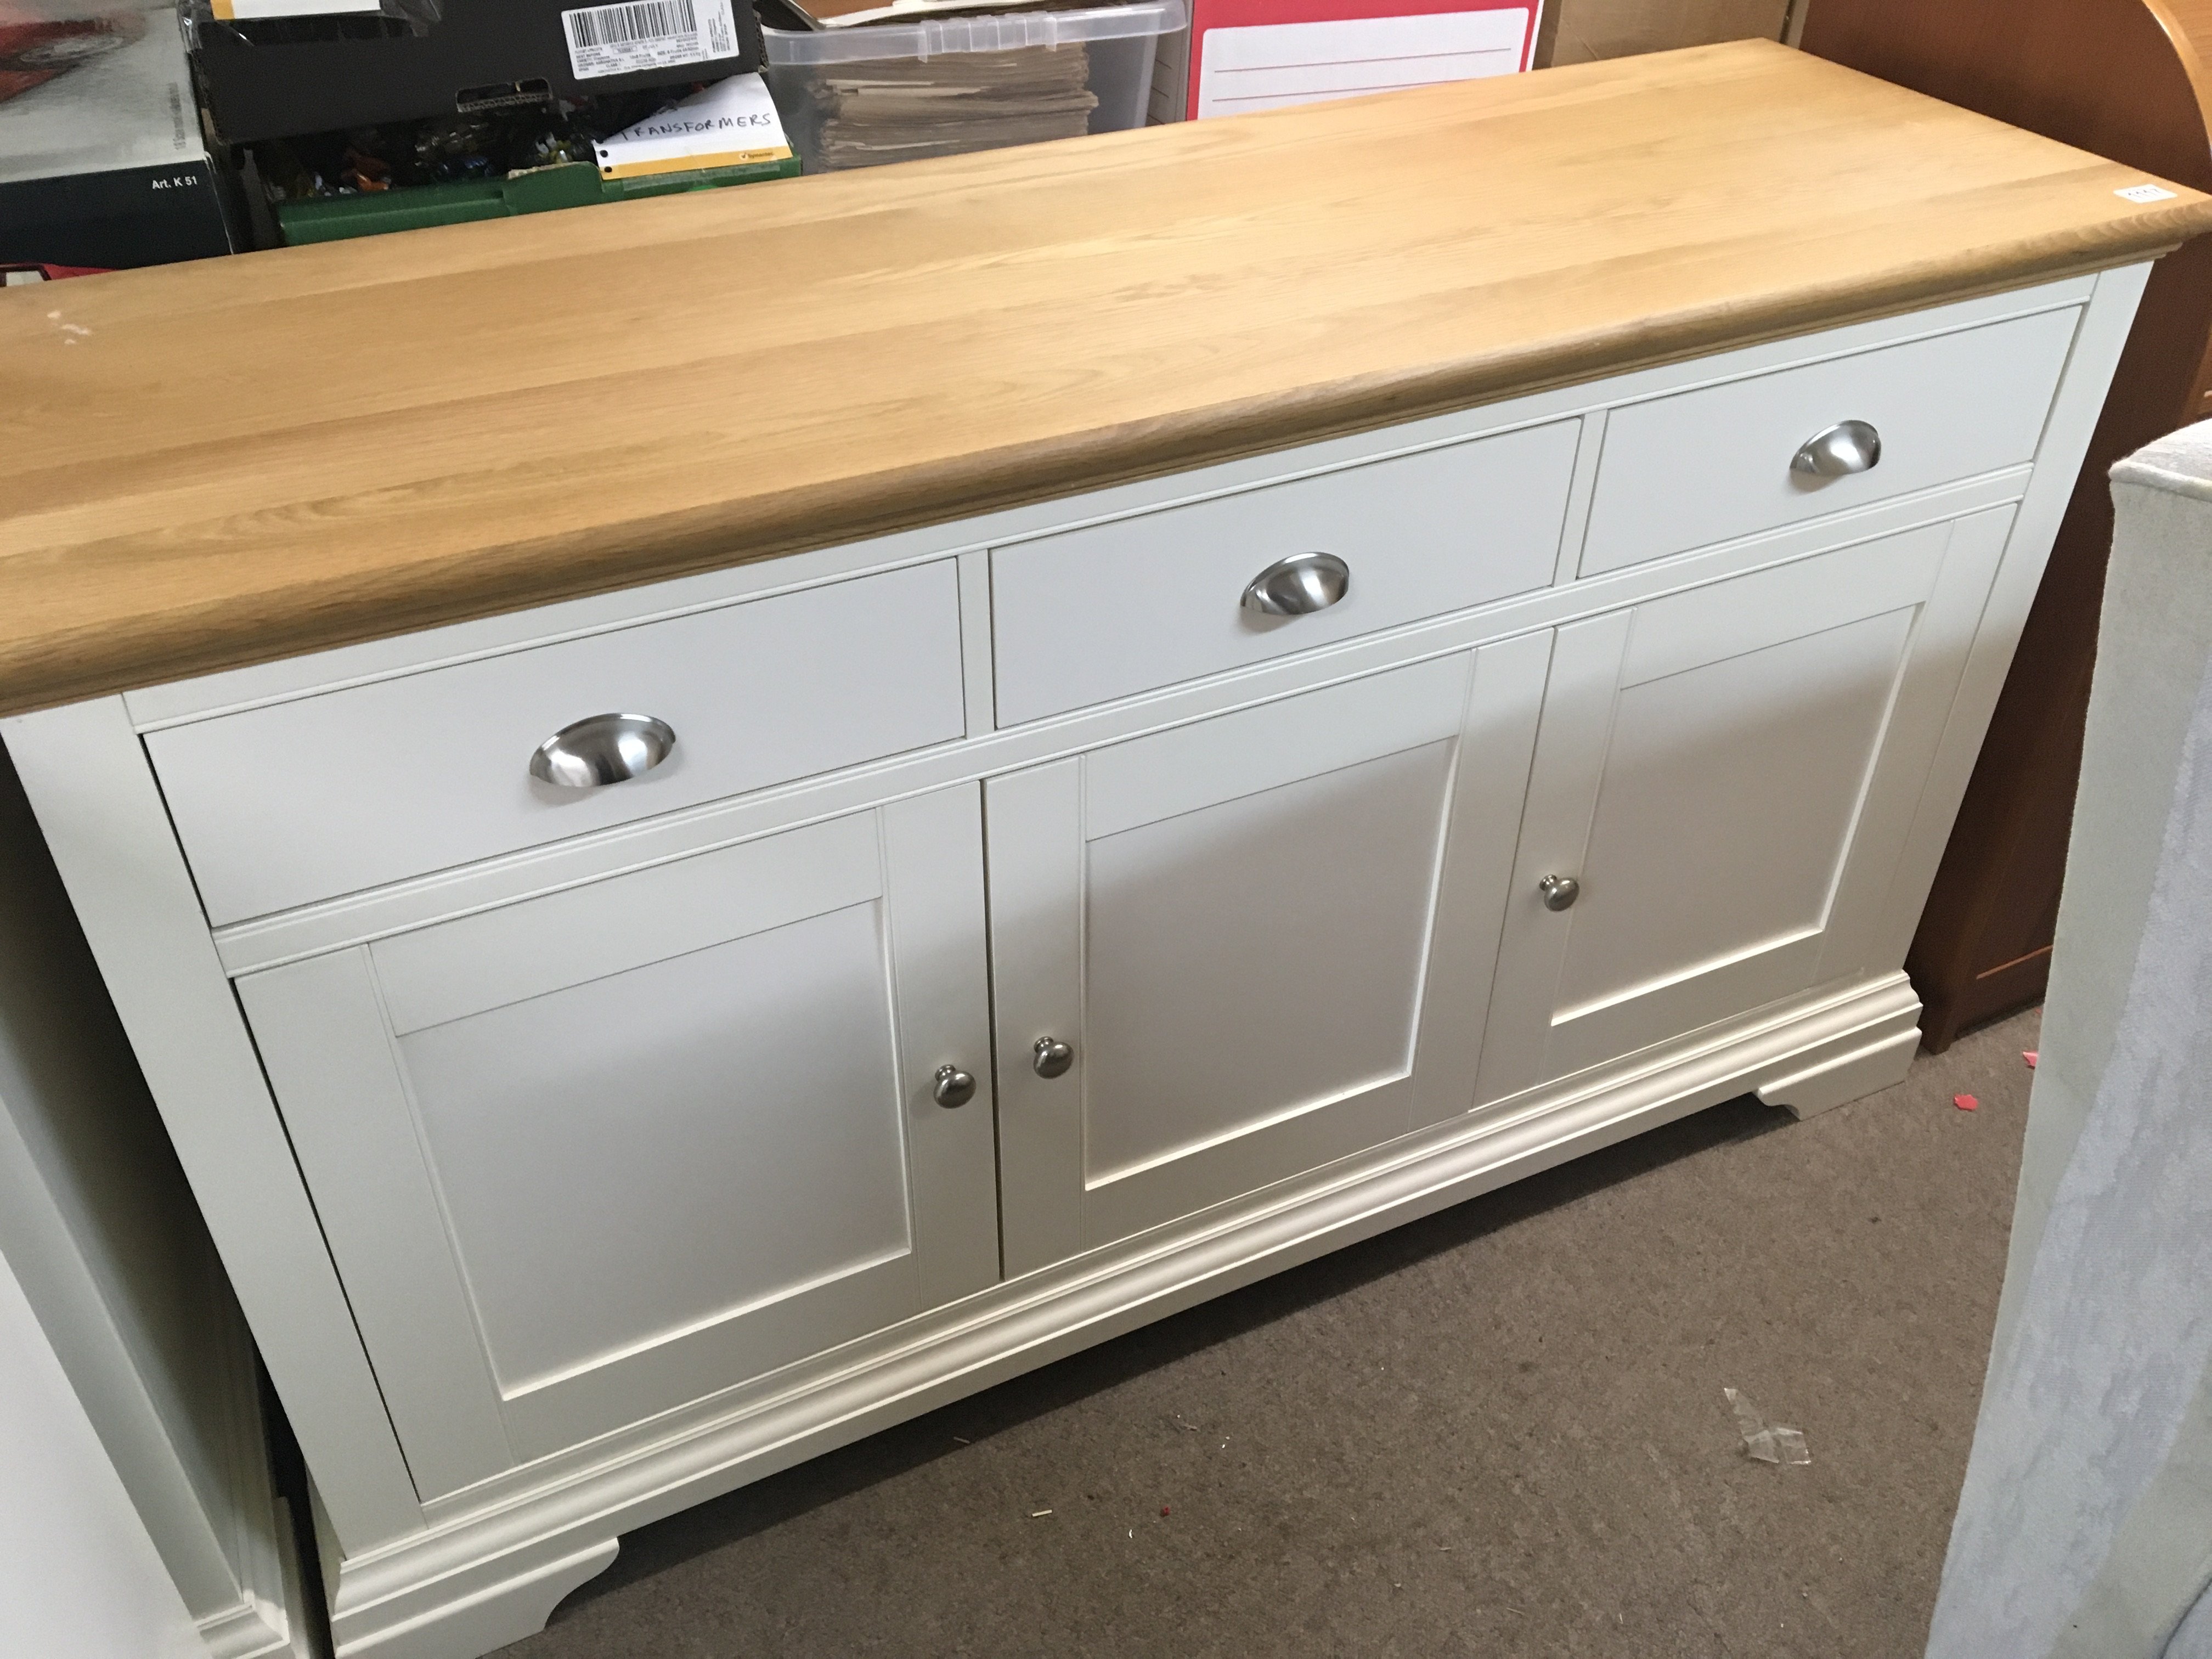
pixel 1731 773
pixel 584 1158
pixel 1261 935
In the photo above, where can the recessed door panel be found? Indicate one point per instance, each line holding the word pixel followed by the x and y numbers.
pixel 1296 920
pixel 1241 929
pixel 1730 796
pixel 587 1158
pixel 1727 773
pixel 630 1156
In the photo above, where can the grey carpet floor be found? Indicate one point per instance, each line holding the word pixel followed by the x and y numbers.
pixel 1497 1432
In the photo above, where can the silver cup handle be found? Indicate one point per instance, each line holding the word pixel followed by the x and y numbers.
pixel 605 749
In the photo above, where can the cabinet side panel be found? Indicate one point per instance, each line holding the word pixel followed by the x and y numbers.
pixel 2066 437
pixel 97 1224
pixel 102 817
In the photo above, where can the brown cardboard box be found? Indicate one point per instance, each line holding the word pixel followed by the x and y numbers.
pixel 1577 31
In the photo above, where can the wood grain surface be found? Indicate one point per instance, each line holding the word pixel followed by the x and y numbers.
pixel 234 460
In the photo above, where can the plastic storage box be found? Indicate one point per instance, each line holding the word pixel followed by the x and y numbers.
pixel 868 93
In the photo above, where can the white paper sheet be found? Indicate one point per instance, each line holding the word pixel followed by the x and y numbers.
pixel 1267 66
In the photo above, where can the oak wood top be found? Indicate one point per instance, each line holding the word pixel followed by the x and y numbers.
pixel 209 465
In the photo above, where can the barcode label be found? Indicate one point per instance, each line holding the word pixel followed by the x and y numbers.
pixel 647 34
pixel 646 19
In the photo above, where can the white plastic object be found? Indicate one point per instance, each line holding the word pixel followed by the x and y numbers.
pixel 1761 1443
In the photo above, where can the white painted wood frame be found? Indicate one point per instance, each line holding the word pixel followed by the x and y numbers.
pixel 1940 576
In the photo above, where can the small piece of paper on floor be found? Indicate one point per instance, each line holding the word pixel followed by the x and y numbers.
pixel 1964 1102
pixel 2029 1055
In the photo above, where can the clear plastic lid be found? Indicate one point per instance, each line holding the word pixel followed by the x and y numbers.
pixel 934 37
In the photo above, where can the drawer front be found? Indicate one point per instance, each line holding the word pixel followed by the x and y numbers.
pixel 1703 466
pixel 329 795
pixel 1123 607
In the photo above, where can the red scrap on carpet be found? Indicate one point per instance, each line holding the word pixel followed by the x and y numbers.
pixel 2029 1054
pixel 1964 1102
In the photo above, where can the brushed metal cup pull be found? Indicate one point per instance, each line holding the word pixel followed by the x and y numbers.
pixel 1049 1057
pixel 603 749
pixel 1559 892
pixel 1846 447
pixel 1298 586
pixel 953 1087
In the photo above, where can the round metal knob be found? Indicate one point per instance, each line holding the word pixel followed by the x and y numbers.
pixel 603 749
pixel 1051 1057
pixel 1298 586
pixel 954 1087
pixel 1847 446
pixel 1559 891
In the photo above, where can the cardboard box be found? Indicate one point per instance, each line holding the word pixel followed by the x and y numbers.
pixel 1579 30
pixel 101 161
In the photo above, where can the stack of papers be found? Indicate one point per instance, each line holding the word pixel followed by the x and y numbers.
pixel 898 109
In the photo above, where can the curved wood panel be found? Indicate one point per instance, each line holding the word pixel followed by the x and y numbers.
pixel 2128 79
pixel 231 461
pixel 2056 67
pixel 2188 25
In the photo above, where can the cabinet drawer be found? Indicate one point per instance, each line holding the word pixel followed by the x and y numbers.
pixel 328 794
pixel 1702 466
pixel 1120 608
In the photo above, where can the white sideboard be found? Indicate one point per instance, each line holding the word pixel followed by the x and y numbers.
pixel 1025 935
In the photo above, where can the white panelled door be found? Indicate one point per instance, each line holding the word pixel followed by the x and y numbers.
pixel 1730 775
pixel 586 1158
pixel 1265 940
